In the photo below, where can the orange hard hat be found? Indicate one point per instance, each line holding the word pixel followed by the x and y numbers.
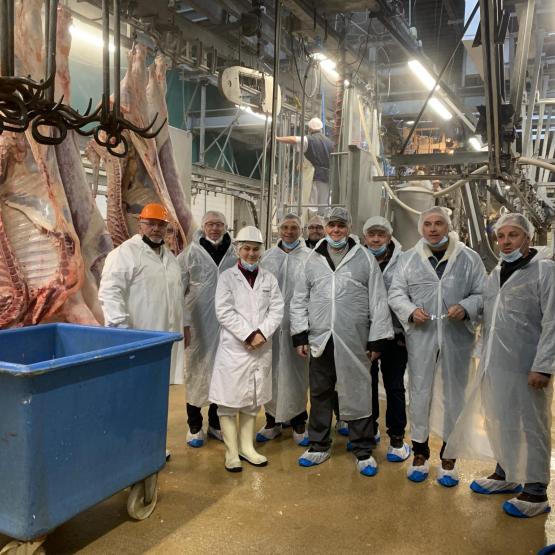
pixel 154 211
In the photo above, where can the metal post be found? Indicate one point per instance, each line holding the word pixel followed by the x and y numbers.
pixel 11 47
pixel 301 152
pixel 277 51
pixel 263 171
pixel 202 123
pixel 52 6
pixel 105 58
pixel 117 77
pixel 4 64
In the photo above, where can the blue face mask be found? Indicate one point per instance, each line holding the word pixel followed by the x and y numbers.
pixel 379 251
pixel 444 240
pixel 249 267
pixel 292 245
pixel 336 244
pixel 511 257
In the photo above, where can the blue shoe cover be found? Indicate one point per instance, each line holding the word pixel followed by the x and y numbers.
pixel 342 428
pixel 398 454
pixel 525 509
pixel 195 443
pixel 418 473
pixel 447 481
pixel 367 467
pixel 261 439
pixel 487 486
pixel 313 458
pixel 349 446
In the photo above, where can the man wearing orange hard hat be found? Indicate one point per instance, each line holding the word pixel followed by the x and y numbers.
pixel 141 285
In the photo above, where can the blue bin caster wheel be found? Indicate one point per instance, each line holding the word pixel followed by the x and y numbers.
pixel 142 498
pixel 33 547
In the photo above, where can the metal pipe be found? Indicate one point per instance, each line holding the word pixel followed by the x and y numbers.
pixel 277 52
pixel 117 61
pixel 535 162
pixel 438 79
pixel 460 183
pixel 263 170
pixel 202 136
pixel 301 152
pixel 52 20
pixel 11 47
pixel 105 58
pixel 4 64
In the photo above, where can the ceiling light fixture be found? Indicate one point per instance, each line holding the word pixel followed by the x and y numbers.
pixel 440 108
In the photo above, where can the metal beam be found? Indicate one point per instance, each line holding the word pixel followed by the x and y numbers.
pixel 438 159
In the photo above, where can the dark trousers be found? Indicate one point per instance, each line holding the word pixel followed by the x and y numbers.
pixel 393 361
pixel 424 449
pixel 298 423
pixel 533 488
pixel 322 378
pixel 194 417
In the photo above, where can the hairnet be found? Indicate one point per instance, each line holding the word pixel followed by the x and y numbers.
pixel 339 214
pixel 377 221
pixel 516 220
pixel 211 214
pixel 440 211
pixel 291 216
pixel 316 220
pixel 315 124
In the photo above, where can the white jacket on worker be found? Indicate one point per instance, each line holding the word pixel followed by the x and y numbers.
pixel 440 350
pixel 141 289
pixel 289 370
pixel 505 419
pixel 350 306
pixel 200 278
pixel 241 378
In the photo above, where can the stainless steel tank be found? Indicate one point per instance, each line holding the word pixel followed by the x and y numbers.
pixel 405 223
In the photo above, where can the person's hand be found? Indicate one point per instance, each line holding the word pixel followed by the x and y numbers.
pixel 537 380
pixel 258 340
pixel 456 312
pixel 302 350
pixel 186 336
pixel 420 316
pixel 373 355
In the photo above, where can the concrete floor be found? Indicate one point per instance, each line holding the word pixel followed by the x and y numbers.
pixel 285 508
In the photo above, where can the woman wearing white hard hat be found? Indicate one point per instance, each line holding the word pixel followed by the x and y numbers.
pixel 508 416
pixel 249 307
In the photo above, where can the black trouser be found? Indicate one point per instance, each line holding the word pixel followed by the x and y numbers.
pixel 322 377
pixel 298 423
pixel 424 449
pixel 194 418
pixel 393 361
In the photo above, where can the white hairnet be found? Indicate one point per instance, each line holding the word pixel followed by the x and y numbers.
pixel 213 214
pixel 291 216
pixel 316 220
pixel 440 211
pixel 315 124
pixel 516 220
pixel 339 214
pixel 377 221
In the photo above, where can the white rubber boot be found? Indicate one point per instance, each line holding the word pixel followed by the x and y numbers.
pixel 229 431
pixel 246 441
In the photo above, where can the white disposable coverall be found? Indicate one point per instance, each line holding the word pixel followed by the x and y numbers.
pixel 241 378
pixel 505 419
pixel 142 289
pixel 200 278
pixel 289 370
pixel 439 351
pixel 350 305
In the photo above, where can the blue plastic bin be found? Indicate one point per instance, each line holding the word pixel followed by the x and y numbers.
pixel 83 415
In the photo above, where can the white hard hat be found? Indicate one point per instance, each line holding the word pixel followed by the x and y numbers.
pixel 377 221
pixel 249 234
pixel 315 124
pixel 440 211
pixel 516 220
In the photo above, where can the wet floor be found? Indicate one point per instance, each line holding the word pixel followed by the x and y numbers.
pixel 285 508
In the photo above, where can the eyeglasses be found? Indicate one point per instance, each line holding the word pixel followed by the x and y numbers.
pixel 154 223
pixel 214 224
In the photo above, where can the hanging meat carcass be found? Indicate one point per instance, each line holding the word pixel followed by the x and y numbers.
pixel 156 100
pixel 138 179
pixel 90 227
pixel 41 267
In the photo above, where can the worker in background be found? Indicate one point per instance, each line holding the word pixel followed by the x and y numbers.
pixel 317 150
pixel 210 253
pixel 508 415
pixel 289 371
pixel 141 284
pixel 249 307
pixel 436 294
pixel 315 229
pixel 339 310
pixel 378 235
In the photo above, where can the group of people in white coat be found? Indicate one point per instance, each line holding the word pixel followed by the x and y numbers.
pixel 272 329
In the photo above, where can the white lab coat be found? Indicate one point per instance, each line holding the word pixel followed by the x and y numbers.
pixel 141 289
pixel 505 419
pixel 200 278
pixel 289 370
pixel 349 305
pixel 241 378
pixel 439 351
